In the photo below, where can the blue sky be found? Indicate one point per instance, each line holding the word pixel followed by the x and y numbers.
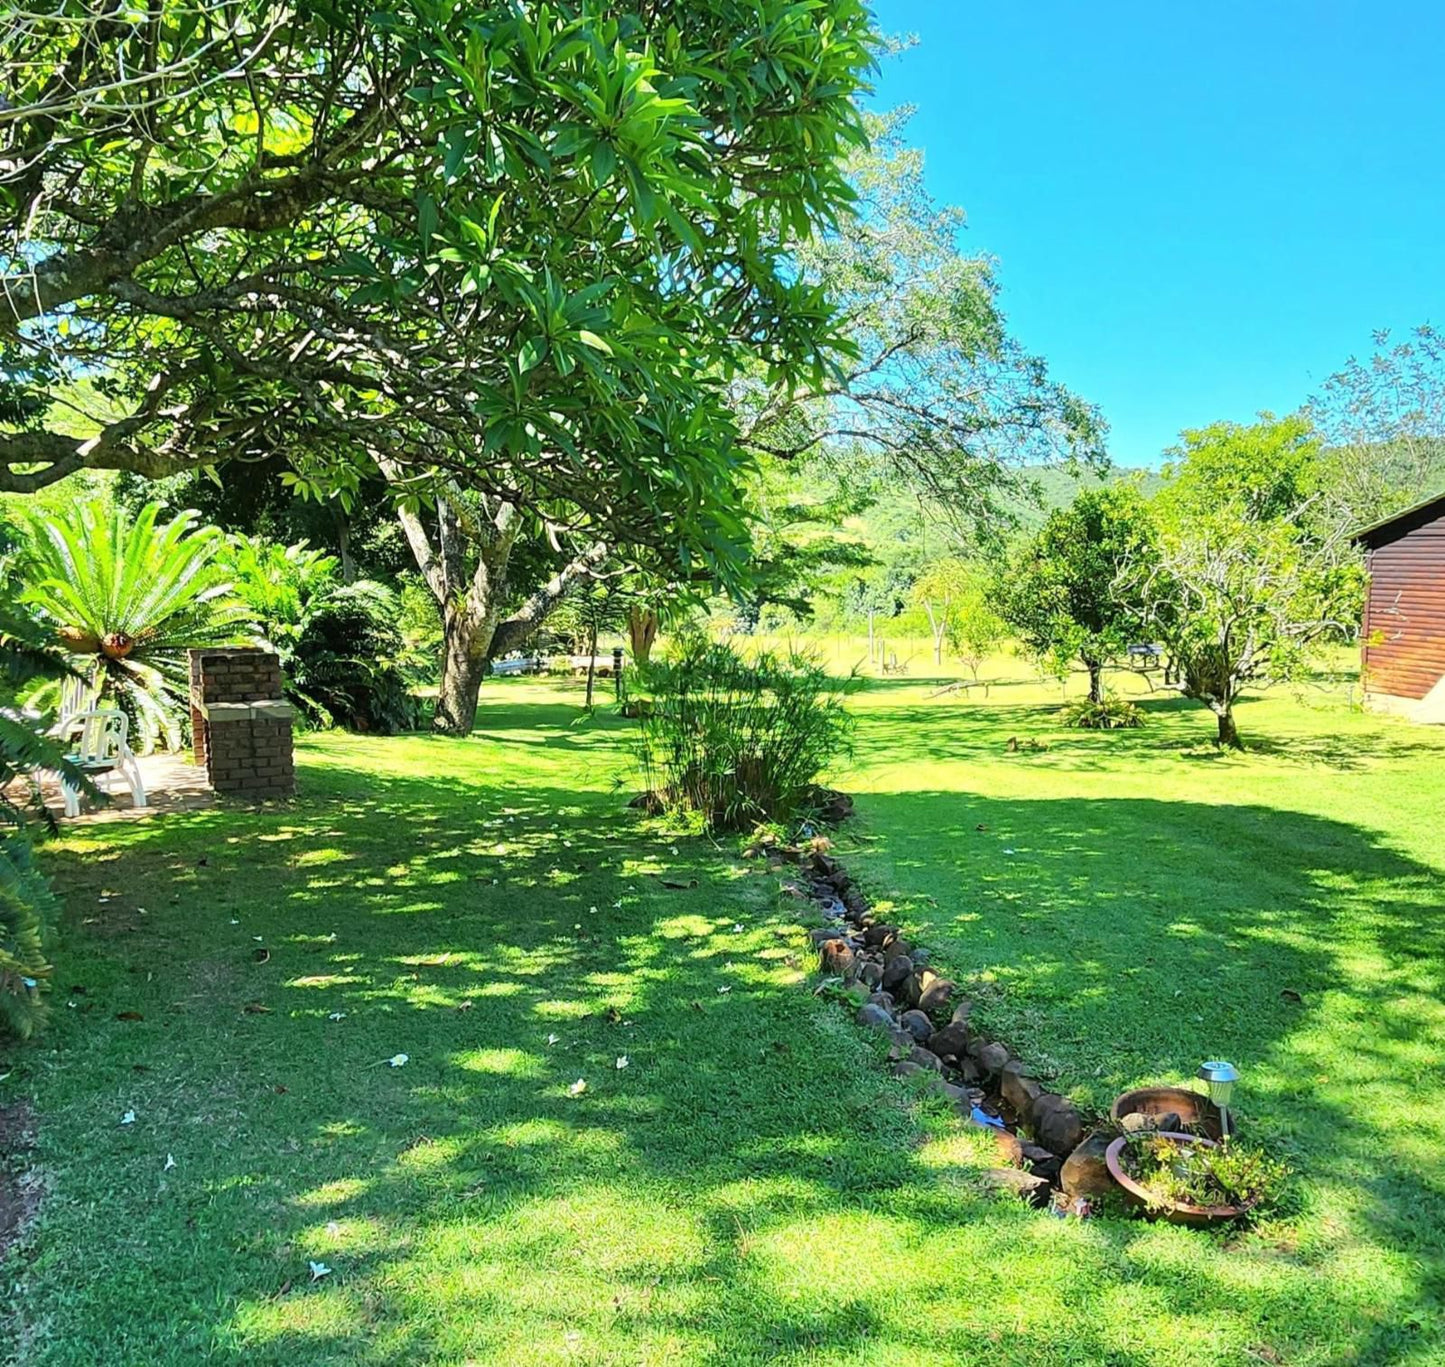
pixel 1198 210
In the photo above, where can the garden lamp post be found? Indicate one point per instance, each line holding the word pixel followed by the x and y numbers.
pixel 1220 1078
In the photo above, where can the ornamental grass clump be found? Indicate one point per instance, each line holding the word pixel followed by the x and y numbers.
pixel 732 742
pixel 1109 713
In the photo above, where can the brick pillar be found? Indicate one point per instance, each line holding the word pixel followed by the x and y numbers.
pixel 242 724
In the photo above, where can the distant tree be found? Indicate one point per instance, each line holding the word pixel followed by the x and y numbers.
pixel 977 630
pixel 940 397
pixel 1251 570
pixel 1382 425
pixel 1063 594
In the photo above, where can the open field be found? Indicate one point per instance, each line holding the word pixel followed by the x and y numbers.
pixel 748 1188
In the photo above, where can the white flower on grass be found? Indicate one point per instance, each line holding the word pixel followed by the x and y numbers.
pixel 674 849
pixel 738 928
pixel 128 1118
pixel 578 1087
pixel 398 1060
pixel 721 990
pixel 337 1016
pixel 234 921
pixel 621 1062
pixel 170 1163
pixel 592 910
pixel 552 1039
pixel 256 937
pixel 618 904
pixel 318 1270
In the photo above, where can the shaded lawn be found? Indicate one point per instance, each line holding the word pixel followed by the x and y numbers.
pixel 747 1189
pixel 1127 904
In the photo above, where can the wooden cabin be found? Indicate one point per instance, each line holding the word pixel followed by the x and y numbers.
pixel 1404 627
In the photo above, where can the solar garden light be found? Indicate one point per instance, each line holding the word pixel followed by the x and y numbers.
pixel 1220 1078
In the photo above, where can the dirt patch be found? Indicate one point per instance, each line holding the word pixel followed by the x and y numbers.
pixel 19 1189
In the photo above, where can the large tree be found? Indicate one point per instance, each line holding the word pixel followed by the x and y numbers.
pixel 939 397
pixel 1064 593
pixel 1253 568
pixel 503 254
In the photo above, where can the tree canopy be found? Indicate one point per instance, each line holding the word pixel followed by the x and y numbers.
pixel 520 248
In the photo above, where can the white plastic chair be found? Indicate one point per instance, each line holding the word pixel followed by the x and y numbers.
pixel 103 751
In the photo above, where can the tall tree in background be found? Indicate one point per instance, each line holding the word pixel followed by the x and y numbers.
pixel 1382 423
pixel 1063 594
pixel 939 396
pixel 498 252
pixel 1252 570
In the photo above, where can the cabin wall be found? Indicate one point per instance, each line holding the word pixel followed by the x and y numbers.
pixel 1404 651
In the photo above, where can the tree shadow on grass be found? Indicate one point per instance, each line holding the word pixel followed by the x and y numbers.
pixel 773 1202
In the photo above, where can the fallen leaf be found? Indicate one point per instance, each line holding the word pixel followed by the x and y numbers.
pixel 1290 995
pixel 128 1118
pixel 261 956
pixel 284 1288
pixel 256 1009
pixel 721 990
pixel 552 1039
pixel 280 1090
pixel 337 1016
pixel 621 1062
pixel 170 1163
pixel 677 885
pixel 577 1088
pixel 318 1270
pixel 129 1016
pixel 398 1060
pixel 614 1016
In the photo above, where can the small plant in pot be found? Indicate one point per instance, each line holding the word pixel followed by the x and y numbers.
pixel 1189 1180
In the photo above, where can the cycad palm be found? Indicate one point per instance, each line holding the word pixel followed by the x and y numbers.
pixel 130 598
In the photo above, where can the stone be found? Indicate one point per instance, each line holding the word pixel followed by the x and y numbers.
pixel 1057 1125
pixel 911 991
pixel 925 1060
pixel 1010 1150
pixel 878 935
pixel 1085 1171
pixel 948 1043
pixel 1169 1122
pixel 1016 1182
pixel 908 1069
pixel 921 957
pixel 961 1012
pixel 992 1057
pixel 969 1071
pixel 819 937
pixel 871 1014
pixel 917 1024
pixel 936 995
pixel 950 1091
pixel 836 957
pixel 871 973
pixel 1035 1154
pixel 1136 1122
pixel 854 900
pixel 1018 1089
pixel 896 972
pixel 897 948
pixel 883 999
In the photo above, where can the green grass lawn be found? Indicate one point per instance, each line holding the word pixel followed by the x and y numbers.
pixel 751 1187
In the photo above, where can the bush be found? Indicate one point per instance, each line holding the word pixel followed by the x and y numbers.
pixel 27 916
pixel 734 741
pixel 341 646
pixel 345 660
pixel 1109 714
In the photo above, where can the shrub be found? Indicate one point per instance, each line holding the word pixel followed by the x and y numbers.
pixel 27 915
pixel 26 903
pixel 1108 714
pixel 346 659
pixel 735 741
pixel 340 645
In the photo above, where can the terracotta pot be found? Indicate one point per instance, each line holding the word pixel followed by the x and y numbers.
pixel 1175 1212
pixel 1195 1110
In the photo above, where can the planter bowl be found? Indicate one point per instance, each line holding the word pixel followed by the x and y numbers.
pixel 1175 1212
pixel 1195 1110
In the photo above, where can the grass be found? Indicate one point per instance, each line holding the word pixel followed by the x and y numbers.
pixel 750 1188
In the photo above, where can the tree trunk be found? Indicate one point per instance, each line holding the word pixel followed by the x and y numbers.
pixel 642 624
pixel 343 543
pixel 591 663
pixel 1228 731
pixel 465 661
pixel 1096 680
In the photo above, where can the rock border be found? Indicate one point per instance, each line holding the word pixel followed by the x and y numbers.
pixel 1050 1153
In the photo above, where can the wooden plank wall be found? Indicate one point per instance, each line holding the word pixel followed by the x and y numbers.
pixel 1405 618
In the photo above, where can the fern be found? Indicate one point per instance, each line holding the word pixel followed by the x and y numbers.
pixel 27 908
